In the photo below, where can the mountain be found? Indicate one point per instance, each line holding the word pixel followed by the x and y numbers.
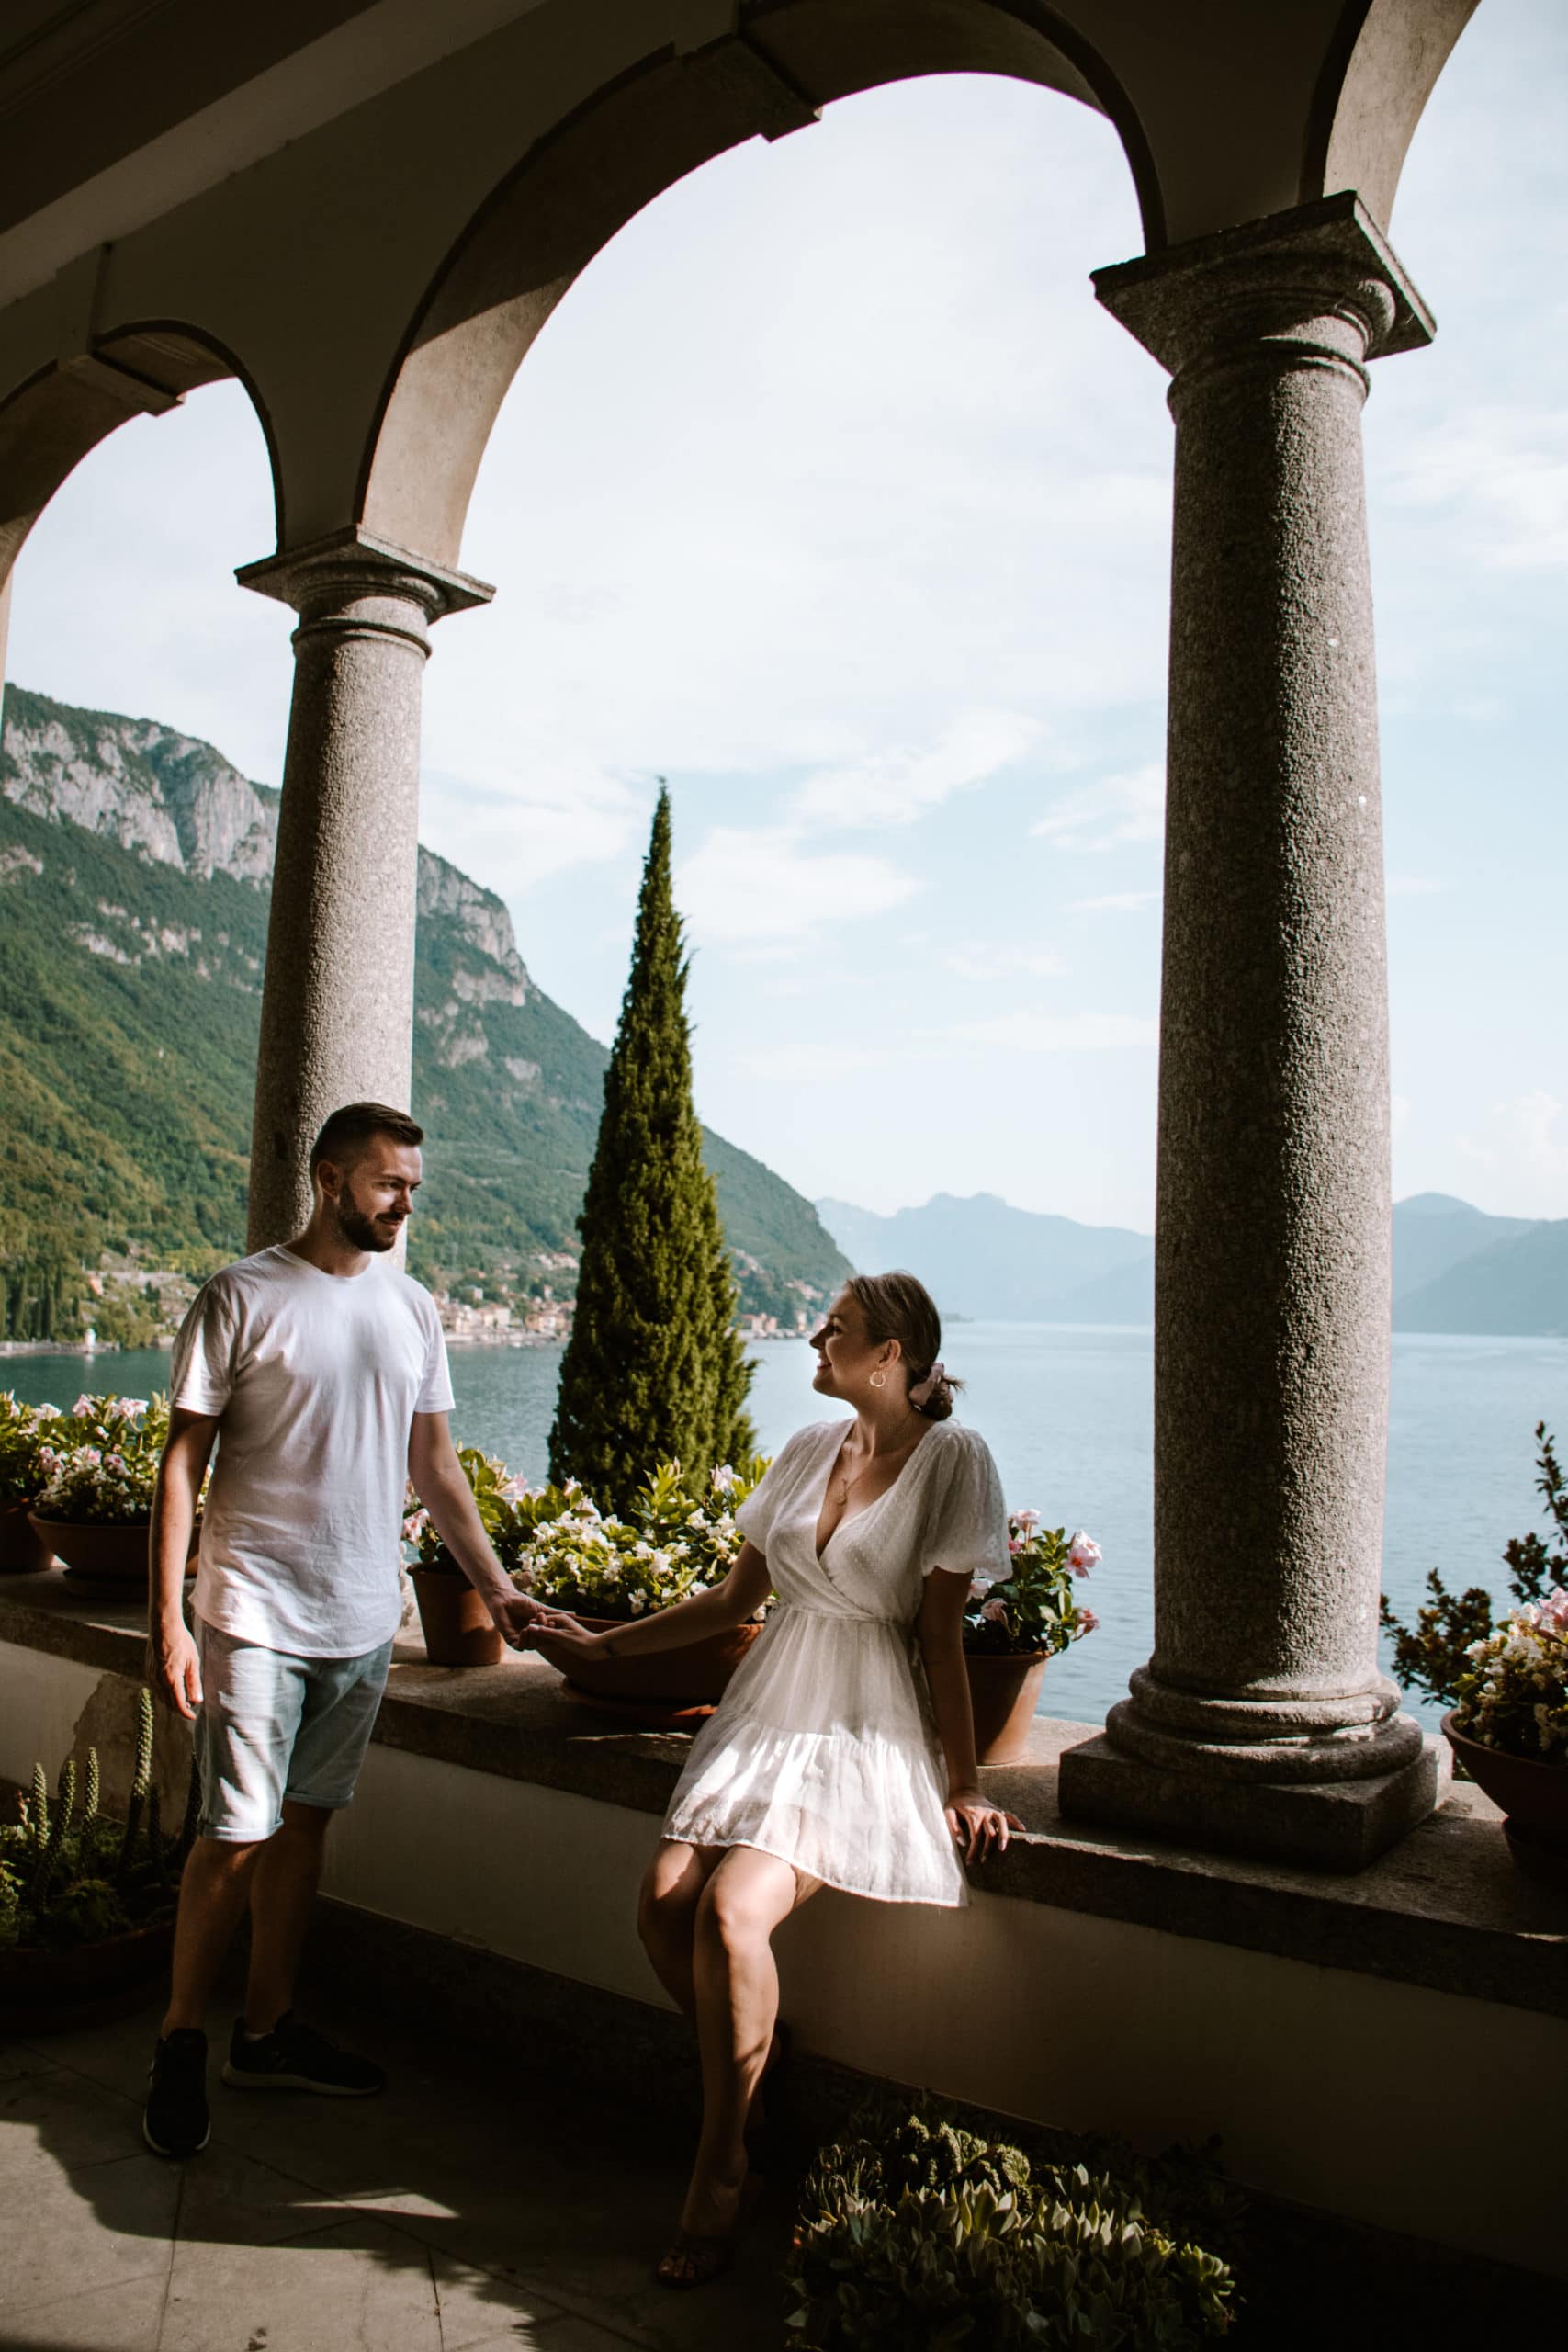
pixel 1455 1268
pixel 1518 1284
pixel 1432 1231
pixel 134 875
pixel 980 1256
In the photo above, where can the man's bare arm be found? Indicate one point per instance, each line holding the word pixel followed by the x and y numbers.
pixel 171 1664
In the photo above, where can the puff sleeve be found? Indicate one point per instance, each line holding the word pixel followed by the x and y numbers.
pixel 967 1527
pixel 755 1516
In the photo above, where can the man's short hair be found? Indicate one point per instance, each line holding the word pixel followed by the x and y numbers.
pixel 349 1129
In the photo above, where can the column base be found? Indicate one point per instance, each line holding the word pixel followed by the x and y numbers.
pixel 1332 1826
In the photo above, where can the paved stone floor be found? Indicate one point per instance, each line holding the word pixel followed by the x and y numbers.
pixel 442 2217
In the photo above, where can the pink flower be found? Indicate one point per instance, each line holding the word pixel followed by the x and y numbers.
pixel 1082 1554
pixel 977 1590
pixel 1088 1621
pixel 83 1406
pixel 1027 1521
pixel 1013 1544
pixel 415 1525
pixel 996 1610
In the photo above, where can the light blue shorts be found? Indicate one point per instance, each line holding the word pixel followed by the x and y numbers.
pixel 273 1725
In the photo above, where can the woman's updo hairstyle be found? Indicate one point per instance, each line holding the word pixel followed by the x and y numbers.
pixel 898 1306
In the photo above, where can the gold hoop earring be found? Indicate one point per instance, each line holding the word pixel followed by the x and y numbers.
pixel 879 1380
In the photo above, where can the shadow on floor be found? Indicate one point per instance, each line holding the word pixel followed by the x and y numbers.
pixel 448 2214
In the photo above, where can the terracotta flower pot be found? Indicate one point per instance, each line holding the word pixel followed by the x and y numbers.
pixel 106 1552
pixel 668 1689
pixel 1533 1795
pixel 50 1991
pixel 24 1552
pixel 1003 1694
pixel 454 1619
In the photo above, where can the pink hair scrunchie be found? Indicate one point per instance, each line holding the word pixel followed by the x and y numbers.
pixel 935 1383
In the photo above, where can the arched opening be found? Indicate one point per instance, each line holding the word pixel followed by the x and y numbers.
pixel 135 847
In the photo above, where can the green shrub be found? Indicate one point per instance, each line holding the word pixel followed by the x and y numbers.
pixel 70 1877
pixel 927 2238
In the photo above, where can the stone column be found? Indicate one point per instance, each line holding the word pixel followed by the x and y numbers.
pixel 1261 1723
pixel 337 995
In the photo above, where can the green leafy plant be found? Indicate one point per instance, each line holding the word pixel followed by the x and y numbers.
pixel 1513 1694
pixel 494 1490
pixel 101 1460
pixel 679 1537
pixel 919 2236
pixel 25 1429
pixel 1033 1612
pixel 1435 1654
pixel 69 1875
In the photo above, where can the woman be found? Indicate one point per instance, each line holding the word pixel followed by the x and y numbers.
pixel 834 1760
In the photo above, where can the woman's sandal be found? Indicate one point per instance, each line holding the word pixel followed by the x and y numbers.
pixel 694 2261
pixel 701 2259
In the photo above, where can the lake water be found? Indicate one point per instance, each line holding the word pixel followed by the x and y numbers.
pixel 1068 1413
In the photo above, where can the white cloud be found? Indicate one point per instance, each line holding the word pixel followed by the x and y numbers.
pixel 1005 963
pixel 740 886
pixel 801 1063
pixel 1527 1139
pixel 1504 471
pixel 1113 902
pixel 1067 1033
pixel 895 787
pixel 1118 810
pixel 513 838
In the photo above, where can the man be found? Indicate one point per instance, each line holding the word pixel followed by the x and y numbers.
pixel 322 1375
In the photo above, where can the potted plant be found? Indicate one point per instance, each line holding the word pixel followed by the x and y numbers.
pixel 677 1540
pixel 1013 1627
pixel 95 1506
pixel 1434 1654
pixel 1510 1730
pixel 453 1617
pixel 912 2231
pixel 24 1429
pixel 88 1903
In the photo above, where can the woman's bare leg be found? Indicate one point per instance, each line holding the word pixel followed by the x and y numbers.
pixel 736 1986
pixel 667 1913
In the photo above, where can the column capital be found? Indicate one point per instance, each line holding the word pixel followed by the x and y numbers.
pixel 1258 281
pixel 333 573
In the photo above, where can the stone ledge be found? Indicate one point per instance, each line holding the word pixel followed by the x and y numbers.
pixel 1446 1908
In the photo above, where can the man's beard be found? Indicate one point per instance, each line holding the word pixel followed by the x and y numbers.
pixel 360 1229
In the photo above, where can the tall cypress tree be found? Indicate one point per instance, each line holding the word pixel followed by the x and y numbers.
pixel 655 1368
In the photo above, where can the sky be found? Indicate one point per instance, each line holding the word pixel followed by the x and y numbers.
pixel 831 496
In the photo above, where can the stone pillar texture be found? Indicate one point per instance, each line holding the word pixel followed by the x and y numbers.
pixel 337 993
pixel 1261 1722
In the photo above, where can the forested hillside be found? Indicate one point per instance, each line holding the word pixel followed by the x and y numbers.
pixel 133 908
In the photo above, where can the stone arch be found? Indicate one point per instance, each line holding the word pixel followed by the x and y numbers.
pixel 634 138
pixel 59 414
pixel 1382 68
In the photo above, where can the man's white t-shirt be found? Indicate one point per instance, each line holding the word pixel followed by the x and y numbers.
pixel 315 1380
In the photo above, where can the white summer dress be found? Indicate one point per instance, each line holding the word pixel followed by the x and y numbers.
pixel 824 1749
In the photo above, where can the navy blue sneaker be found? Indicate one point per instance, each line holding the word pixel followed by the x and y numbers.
pixel 296 2058
pixel 174 2122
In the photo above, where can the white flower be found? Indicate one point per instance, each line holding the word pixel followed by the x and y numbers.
pixel 724 1478
pixel 996 1610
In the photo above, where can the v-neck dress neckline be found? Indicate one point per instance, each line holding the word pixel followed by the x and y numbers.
pixel 824 1749
pixel 831 1464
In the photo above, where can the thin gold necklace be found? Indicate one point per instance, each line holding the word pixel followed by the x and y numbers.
pixel 846 1483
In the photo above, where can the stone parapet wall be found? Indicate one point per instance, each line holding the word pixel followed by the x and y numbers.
pixel 1326 2028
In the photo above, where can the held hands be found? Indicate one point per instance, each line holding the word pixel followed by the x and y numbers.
pixel 979 1827
pixel 519 1620
pixel 173 1667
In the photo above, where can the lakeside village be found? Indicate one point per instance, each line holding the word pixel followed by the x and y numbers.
pixel 128 1304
